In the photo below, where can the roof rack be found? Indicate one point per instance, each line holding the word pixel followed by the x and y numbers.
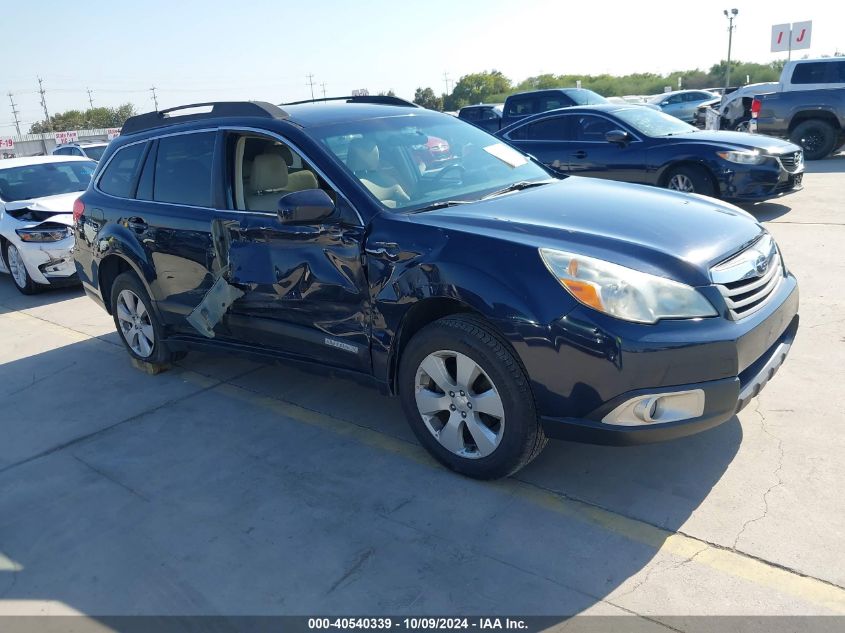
pixel 374 99
pixel 162 118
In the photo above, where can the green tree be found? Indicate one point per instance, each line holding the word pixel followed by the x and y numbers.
pixel 476 87
pixel 426 98
pixel 95 118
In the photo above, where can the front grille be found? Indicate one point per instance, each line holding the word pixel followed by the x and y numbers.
pixel 748 280
pixel 791 161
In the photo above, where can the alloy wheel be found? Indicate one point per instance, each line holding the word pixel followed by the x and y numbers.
pixel 459 404
pixel 681 182
pixel 135 325
pixel 16 266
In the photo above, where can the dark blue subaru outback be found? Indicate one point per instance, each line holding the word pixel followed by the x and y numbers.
pixel 501 304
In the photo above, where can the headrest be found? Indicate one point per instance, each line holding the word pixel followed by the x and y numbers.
pixel 363 155
pixel 269 173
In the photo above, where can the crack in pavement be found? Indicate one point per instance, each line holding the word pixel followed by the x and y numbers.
pixel 764 427
pixel 659 568
pixel 110 478
pixel 35 380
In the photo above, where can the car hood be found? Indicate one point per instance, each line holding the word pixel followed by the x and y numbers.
pixel 662 232
pixel 34 211
pixel 744 140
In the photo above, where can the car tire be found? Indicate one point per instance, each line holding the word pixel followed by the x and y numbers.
pixel 504 419
pixel 136 321
pixel 742 125
pixel 691 179
pixel 20 275
pixel 818 138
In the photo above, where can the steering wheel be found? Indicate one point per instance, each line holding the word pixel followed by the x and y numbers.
pixel 447 168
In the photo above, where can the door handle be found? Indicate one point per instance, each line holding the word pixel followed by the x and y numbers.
pixel 579 154
pixel 137 224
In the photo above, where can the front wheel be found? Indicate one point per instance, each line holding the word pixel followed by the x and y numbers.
pixel 691 179
pixel 17 268
pixel 468 399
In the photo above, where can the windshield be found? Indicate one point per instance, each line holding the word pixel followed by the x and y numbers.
pixel 94 152
pixel 44 179
pixel 654 122
pixel 582 96
pixel 410 162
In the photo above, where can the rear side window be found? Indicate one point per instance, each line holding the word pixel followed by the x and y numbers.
pixel 118 179
pixel 553 129
pixel 469 114
pixel 183 169
pixel 810 73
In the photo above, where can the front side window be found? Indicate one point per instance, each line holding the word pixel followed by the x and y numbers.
pixel 264 169
pixel 44 179
pixel 470 114
pixel 592 128
pixel 521 107
pixel 183 169
pixel 413 161
pixel 118 178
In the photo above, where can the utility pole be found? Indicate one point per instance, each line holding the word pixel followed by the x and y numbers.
pixel 310 78
pixel 15 113
pixel 46 115
pixel 730 15
pixel 155 100
pixel 323 86
pixel 90 98
pixel 446 81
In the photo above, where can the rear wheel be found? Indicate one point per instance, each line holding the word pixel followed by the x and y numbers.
pixel 14 262
pixel 691 179
pixel 468 399
pixel 137 324
pixel 818 138
pixel 743 125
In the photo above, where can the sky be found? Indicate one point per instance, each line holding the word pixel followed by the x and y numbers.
pixel 194 51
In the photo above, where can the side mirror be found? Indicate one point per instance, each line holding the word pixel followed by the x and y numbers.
pixel 309 206
pixel 619 137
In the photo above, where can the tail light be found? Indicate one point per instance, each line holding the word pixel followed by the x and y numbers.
pixel 756 105
pixel 78 210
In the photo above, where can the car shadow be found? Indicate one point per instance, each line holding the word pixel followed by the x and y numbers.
pixel 832 165
pixel 175 494
pixel 766 211
pixel 12 299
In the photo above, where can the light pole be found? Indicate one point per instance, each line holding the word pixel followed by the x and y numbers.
pixel 730 15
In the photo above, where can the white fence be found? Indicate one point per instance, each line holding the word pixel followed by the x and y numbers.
pixel 41 144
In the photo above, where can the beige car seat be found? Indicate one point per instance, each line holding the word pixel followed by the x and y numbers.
pixel 363 159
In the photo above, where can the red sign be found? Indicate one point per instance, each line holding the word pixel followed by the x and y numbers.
pixel 7 143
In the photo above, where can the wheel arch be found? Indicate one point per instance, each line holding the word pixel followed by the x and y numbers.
pixel 809 115
pixel 669 168
pixel 109 268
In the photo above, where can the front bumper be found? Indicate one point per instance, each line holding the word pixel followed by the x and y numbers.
pixel 49 263
pixel 753 183
pixel 588 364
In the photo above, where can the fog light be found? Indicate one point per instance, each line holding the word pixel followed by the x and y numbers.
pixel 658 408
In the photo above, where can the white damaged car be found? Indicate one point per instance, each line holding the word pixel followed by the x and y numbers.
pixel 36 218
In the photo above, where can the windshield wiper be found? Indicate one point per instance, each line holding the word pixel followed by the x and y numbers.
pixel 518 186
pixel 441 205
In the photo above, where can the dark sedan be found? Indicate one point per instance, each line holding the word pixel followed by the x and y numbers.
pixel 639 145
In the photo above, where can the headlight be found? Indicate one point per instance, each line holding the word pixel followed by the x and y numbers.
pixel 43 234
pixel 751 157
pixel 622 292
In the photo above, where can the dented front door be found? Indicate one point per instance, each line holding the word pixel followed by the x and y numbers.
pixel 304 289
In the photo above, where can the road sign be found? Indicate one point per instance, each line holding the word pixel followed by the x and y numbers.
pixel 71 136
pixel 112 132
pixel 801 32
pixel 7 142
pixel 791 37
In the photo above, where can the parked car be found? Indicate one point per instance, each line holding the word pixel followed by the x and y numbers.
pixel 487 116
pixel 813 119
pixel 734 109
pixel 92 150
pixel 501 304
pixel 812 74
pixel 36 203
pixel 639 145
pixel 682 103
pixel 523 104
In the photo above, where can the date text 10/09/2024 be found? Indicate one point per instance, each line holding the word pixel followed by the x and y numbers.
pixel 430 623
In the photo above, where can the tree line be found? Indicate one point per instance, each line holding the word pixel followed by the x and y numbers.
pixel 493 86
pixel 93 118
